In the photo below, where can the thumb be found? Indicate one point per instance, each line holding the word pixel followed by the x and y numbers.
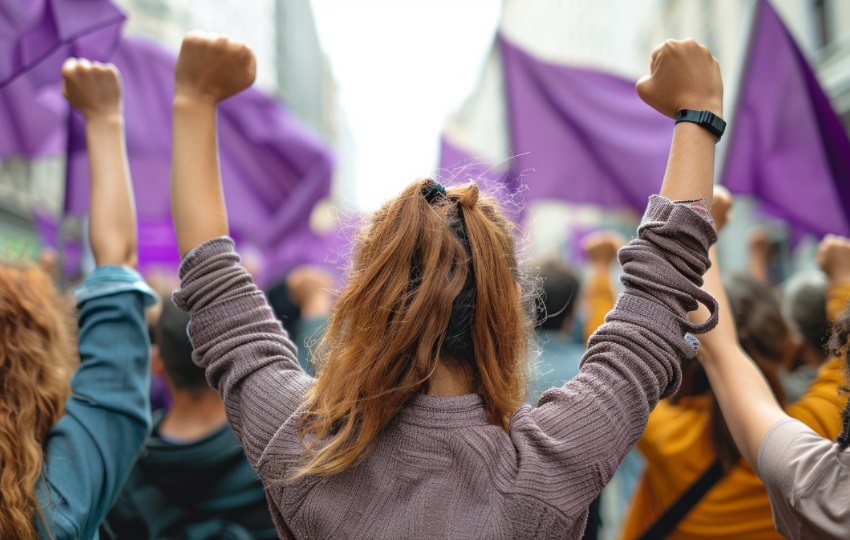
pixel 644 87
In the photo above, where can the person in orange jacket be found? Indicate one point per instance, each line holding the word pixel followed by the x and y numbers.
pixel 680 444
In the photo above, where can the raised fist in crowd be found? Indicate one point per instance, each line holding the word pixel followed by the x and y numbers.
pixel 212 67
pixel 311 288
pixel 92 88
pixel 682 75
pixel 601 247
pixel 721 207
pixel 833 257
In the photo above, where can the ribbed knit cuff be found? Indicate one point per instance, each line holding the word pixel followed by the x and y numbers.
pixel 204 259
pixel 663 270
pixel 210 248
pixel 109 280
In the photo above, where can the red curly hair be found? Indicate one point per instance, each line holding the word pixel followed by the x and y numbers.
pixel 37 356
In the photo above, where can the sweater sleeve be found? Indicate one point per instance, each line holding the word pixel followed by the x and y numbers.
pixel 579 433
pixel 246 353
pixel 91 450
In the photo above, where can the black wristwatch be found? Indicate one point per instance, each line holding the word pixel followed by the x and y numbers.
pixel 707 119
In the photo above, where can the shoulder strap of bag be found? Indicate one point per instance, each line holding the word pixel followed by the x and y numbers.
pixel 685 503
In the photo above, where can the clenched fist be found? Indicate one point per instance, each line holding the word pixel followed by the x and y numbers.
pixel 212 67
pixel 833 257
pixel 92 88
pixel 682 75
pixel 601 247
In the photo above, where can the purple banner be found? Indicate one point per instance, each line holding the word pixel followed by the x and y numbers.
pixel 787 145
pixel 273 170
pixel 38 34
pixel 581 135
pixel 33 119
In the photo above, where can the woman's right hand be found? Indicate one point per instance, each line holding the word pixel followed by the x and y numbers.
pixel 212 67
pixel 683 75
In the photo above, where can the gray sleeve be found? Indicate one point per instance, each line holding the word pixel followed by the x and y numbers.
pixel 807 482
pixel 247 355
pixel 584 429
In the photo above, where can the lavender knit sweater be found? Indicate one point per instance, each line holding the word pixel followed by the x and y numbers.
pixel 439 470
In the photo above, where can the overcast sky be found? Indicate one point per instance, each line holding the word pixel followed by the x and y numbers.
pixel 402 67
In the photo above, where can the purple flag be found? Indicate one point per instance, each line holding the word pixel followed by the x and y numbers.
pixel 40 32
pixel 787 145
pixel 33 119
pixel 273 170
pixel 581 135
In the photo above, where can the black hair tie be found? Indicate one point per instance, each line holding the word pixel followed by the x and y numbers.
pixel 432 191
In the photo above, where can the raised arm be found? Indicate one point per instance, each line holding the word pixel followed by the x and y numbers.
pixel 247 355
pixel 833 257
pixel 209 70
pixel 600 249
pixel 94 89
pixel 633 360
pixel 747 402
pixel 90 451
pixel 684 75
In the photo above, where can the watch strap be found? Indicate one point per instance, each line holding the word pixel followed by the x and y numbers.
pixel 707 119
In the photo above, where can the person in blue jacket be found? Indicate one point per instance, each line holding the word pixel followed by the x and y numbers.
pixel 193 481
pixel 67 443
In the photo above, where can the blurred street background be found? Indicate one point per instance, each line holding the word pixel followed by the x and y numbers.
pixel 400 90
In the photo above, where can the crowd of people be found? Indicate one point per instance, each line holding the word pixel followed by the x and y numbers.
pixel 448 390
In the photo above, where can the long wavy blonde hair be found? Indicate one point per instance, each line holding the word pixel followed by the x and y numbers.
pixel 36 359
pixel 433 279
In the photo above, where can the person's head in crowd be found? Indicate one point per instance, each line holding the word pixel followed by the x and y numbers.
pixel 164 282
pixel 433 303
pixel 764 335
pixel 804 306
pixel 762 330
pixel 837 346
pixel 172 354
pixel 37 357
pixel 556 306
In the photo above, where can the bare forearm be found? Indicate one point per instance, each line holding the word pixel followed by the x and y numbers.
pixel 112 227
pixel 690 167
pixel 197 201
pixel 748 404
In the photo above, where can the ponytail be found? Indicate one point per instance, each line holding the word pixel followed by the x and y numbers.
pixel 433 279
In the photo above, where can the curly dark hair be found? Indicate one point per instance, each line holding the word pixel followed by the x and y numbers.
pixel 837 346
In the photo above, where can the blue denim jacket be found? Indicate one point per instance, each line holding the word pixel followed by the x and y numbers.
pixel 93 447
